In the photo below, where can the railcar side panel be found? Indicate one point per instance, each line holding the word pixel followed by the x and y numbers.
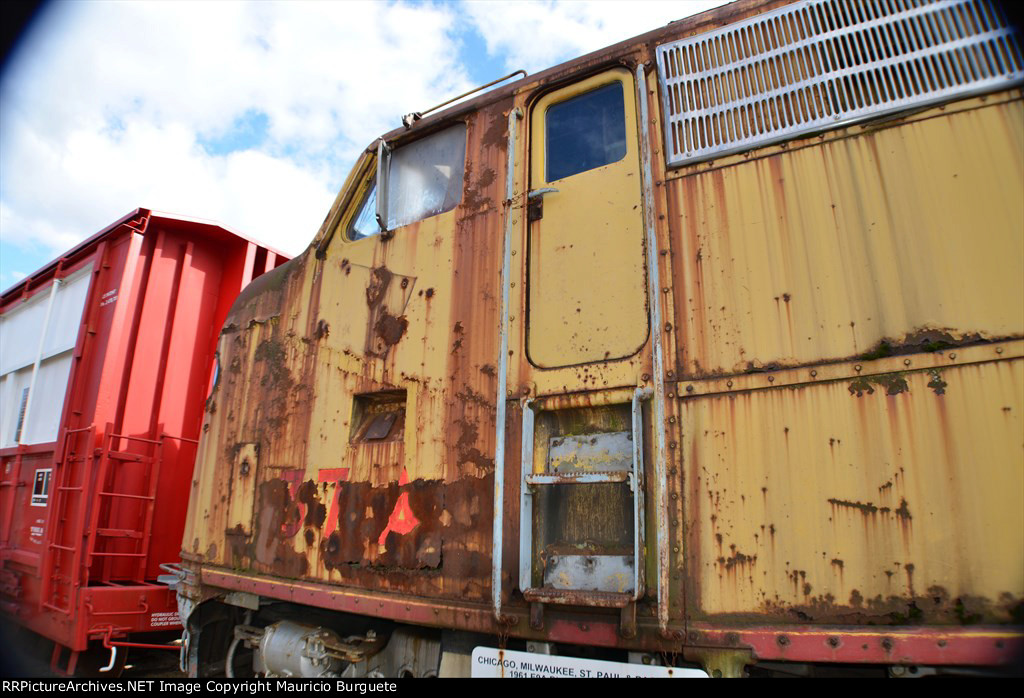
pixel 81 552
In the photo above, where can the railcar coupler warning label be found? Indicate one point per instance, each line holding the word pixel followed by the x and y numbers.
pixel 164 619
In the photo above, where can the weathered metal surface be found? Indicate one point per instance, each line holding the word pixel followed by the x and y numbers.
pixel 574 597
pixel 581 530
pixel 655 291
pixel 949 645
pixel 403 526
pixel 583 478
pixel 498 531
pixel 592 228
pixel 869 375
pixel 825 252
pixel 942 646
pixel 614 573
pixel 340 495
pixel 600 453
pixel 888 500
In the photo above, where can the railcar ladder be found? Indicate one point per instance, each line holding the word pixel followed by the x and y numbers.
pixel 105 513
pixel 65 534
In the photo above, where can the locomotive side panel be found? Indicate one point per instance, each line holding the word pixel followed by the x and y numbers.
pixel 353 422
pixel 882 498
pixel 900 239
pixel 898 235
pixel 785 461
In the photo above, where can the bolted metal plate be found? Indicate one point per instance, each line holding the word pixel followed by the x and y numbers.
pixel 591 453
pixel 612 573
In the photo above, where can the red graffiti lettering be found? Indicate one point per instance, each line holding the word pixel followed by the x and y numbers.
pixel 402 520
pixel 332 475
pixel 293 524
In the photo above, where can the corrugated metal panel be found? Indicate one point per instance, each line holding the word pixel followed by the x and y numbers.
pixel 817 64
pixel 880 499
pixel 822 252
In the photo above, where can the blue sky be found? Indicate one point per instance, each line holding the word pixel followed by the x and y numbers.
pixel 248 113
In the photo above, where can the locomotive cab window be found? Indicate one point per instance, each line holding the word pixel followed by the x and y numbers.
pixel 421 179
pixel 585 132
pixel 364 224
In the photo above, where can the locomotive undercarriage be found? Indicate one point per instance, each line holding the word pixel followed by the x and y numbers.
pixel 278 639
pixel 236 642
pixel 228 640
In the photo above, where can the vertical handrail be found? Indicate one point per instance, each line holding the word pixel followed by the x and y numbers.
pixel 497 546
pixel 53 520
pixel 526 499
pixel 154 477
pixel 637 484
pixel 658 359
pixel 97 505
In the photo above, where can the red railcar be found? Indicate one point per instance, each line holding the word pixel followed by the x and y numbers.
pixel 106 356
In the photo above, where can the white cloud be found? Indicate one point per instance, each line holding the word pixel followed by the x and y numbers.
pixel 104 110
pixel 109 105
pixel 537 34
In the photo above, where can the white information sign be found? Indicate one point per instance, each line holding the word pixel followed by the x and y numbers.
pixel 164 619
pixel 491 663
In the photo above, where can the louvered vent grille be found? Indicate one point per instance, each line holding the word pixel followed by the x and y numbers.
pixel 817 64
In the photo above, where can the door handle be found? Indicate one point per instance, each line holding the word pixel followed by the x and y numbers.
pixel 535 203
pixel 537 193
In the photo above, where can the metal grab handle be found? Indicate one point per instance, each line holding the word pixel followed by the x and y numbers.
pixel 537 193
pixel 535 203
pixel 113 660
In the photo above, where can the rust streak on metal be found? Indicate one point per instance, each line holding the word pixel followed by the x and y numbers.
pixel 867 508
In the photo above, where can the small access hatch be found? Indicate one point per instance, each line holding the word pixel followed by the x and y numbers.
pixel 378 417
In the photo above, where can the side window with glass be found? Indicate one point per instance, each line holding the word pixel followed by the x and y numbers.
pixel 365 222
pixel 585 132
pixel 421 179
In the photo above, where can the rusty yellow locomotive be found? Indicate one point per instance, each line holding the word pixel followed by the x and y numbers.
pixel 703 351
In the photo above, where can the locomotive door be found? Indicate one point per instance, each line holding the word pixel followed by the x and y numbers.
pixel 581 528
pixel 587 299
